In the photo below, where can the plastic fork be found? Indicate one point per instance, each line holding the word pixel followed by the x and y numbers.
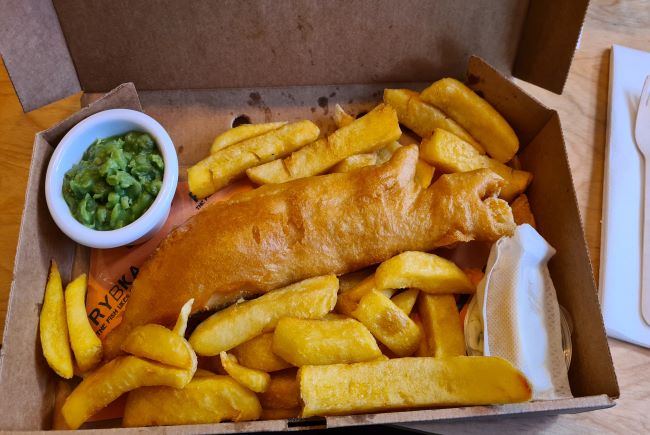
pixel 642 136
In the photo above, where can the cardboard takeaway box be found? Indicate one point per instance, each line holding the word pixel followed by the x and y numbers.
pixel 198 65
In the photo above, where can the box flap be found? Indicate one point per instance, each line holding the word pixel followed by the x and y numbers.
pixel 24 374
pixel 35 53
pixel 548 42
pixel 163 44
pixel 514 424
pixel 193 117
pixel 476 413
pixel 553 202
pixel 203 44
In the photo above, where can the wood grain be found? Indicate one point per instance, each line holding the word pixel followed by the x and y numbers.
pixel 583 111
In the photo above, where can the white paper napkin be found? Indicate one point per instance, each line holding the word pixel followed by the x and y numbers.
pixel 620 248
pixel 516 315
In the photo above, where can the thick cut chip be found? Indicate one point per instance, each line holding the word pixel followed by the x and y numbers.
pixel 427 272
pixel 410 383
pixel 423 173
pixel 388 323
pixel 313 342
pixel 348 301
pixel 277 171
pixel 521 211
pixel 54 326
pixel 341 117
pixel 242 132
pixel 255 380
pixel 257 353
pixel 441 323
pixel 87 347
pixel 476 115
pixel 199 178
pixel 118 376
pixel 406 299
pixel 355 162
pixel 373 131
pixel 283 391
pixel 376 129
pixel 228 164
pixel 226 329
pixel 232 162
pixel 424 118
pixel 449 153
pixel 209 399
pixel 157 343
pixel 181 323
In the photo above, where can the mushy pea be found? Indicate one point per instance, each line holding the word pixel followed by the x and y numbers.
pixel 115 182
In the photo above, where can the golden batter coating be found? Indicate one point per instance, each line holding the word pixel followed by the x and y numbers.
pixel 337 223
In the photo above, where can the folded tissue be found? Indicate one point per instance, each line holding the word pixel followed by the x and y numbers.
pixel 515 313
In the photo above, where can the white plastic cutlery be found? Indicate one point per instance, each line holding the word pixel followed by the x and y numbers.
pixel 642 136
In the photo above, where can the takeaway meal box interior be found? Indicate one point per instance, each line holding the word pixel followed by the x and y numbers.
pixel 197 66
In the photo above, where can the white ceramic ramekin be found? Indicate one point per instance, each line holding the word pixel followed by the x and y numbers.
pixel 70 150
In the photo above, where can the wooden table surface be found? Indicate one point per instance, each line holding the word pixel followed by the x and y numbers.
pixel 583 111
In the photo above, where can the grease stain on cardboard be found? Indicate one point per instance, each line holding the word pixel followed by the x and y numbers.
pixel 255 100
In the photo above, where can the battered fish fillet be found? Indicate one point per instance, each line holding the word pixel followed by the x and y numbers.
pixel 337 223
